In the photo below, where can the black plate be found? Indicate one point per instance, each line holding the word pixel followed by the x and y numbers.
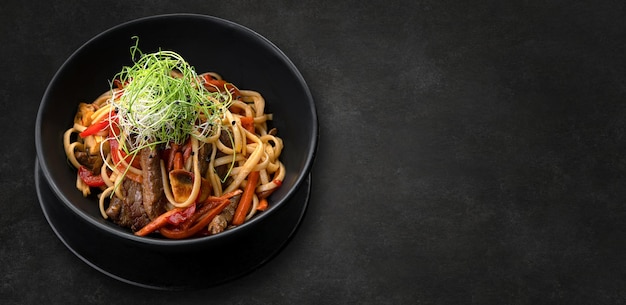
pixel 160 268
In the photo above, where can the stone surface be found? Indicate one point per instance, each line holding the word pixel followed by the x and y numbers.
pixel 470 153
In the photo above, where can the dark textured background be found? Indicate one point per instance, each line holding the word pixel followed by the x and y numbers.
pixel 471 152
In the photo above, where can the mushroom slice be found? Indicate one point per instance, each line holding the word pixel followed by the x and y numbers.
pixel 181 182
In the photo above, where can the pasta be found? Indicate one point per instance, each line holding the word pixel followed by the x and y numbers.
pixel 173 152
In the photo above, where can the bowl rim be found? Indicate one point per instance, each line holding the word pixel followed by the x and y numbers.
pixel 157 241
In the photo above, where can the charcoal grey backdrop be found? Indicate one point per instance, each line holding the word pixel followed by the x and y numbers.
pixel 471 152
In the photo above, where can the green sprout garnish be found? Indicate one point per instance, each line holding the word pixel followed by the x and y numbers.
pixel 164 101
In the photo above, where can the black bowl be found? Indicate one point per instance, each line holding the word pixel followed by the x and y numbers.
pixel 209 44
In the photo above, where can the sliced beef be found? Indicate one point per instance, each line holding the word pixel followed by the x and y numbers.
pixel 204 154
pixel 142 201
pixel 154 201
pixel 129 212
pixel 220 222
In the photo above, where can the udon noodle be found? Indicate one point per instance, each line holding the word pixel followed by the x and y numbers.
pixel 152 177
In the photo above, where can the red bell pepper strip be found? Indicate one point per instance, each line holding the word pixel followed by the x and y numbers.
pixel 180 216
pixel 213 85
pixel 89 178
pixel 95 128
pixel 135 162
pixel 114 145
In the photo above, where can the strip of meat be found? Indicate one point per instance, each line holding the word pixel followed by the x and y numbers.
pixel 220 222
pixel 152 185
pixel 128 212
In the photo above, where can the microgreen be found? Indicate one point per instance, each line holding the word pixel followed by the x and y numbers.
pixel 164 101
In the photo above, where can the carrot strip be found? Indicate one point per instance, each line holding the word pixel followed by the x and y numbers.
pixel 247 123
pixel 263 205
pixel 246 199
pixel 203 210
pixel 218 199
pixel 178 160
pixel 158 222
